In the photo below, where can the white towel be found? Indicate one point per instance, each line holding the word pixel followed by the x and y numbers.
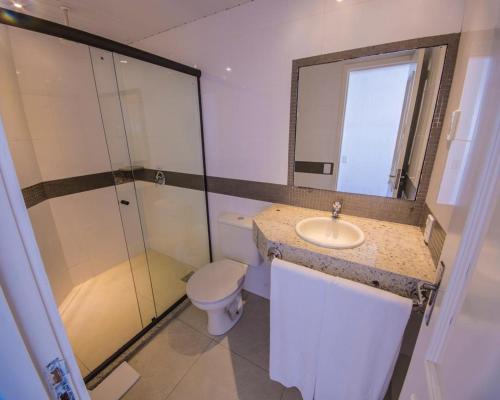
pixel 360 341
pixel 298 296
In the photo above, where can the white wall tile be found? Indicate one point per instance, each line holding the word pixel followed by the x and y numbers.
pixel 174 222
pixel 90 230
pixel 14 118
pixel 51 250
pixel 56 83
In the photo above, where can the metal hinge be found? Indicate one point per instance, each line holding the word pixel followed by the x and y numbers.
pixel 57 372
pixel 432 292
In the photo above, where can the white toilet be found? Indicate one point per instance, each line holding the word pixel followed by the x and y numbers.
pixel 216 287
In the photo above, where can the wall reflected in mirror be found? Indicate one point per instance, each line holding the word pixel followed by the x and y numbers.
pixel 363 124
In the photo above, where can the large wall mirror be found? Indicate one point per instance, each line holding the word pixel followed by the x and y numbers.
pixel 362 123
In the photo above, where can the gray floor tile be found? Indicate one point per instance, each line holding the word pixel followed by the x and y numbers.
pixel 195 318
pixel 250 336
pixel 165 360
pixel 222 375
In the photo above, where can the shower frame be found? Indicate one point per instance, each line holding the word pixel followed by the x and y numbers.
pixel 28 22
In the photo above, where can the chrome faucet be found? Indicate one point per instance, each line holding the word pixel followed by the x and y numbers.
pixel 337 206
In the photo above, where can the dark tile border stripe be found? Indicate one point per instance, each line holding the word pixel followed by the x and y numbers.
pixel 406 211
pixel 313 167
pixel 364 206
pixel 35 194
pixel 179 179
pixel 77 184
pixel 360 205
pixel 378 207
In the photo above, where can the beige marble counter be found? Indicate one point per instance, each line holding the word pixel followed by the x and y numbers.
pixel 393 257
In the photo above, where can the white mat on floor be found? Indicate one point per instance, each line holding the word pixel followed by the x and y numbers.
pixel 116 384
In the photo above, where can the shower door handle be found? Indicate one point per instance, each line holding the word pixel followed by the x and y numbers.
pixel 125 202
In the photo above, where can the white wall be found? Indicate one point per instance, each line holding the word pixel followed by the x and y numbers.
pixel 320 94
pixel 468 84
pixel 51 249
pixel 479 43
pixel 246 110
pixel 59 97
pixel 174 222
pixel 27 169
pixel 13 116
pixel 53 124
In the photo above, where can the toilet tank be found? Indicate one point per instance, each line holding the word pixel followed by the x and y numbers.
pixel 236 238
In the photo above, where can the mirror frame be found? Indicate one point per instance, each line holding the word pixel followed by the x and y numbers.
pixel 361 200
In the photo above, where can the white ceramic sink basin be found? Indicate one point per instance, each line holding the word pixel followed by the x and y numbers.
pixel 330 232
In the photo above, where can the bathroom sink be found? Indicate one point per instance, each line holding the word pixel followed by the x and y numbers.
pixel 330 232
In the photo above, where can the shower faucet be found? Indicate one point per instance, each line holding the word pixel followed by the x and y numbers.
pixel 159 178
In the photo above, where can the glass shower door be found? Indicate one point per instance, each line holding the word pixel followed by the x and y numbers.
pixel 160 109
pixel 152 123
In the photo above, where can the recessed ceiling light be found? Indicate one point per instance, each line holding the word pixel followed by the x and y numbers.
pixel 17 5
pixel 228 69
pixel 339 1
pixel 124 61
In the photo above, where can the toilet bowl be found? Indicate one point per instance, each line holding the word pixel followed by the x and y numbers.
pixel 216 287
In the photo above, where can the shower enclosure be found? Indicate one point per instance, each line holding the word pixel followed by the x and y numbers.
pixel 108 150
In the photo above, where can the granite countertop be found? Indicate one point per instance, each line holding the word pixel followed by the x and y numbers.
pixel 393 256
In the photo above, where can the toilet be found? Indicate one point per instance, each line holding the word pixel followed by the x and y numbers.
pixel 216 287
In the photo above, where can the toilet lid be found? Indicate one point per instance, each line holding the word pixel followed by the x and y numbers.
pixel 216 281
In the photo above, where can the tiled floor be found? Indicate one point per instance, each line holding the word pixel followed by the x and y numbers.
pixel 103 313
pixel 183 362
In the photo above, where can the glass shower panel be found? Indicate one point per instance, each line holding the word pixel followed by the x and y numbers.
pixel 161 114
pixel 125 186
pixel 52 95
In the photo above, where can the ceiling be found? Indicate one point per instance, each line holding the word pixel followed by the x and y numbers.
pixel 125 21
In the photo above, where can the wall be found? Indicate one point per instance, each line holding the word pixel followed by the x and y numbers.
pixel 468 84
pixel 28 173
pixel 246 110
pixel 478 61
pixel 318 108
pixel 55 131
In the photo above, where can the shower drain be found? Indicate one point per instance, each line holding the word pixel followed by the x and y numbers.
pixel 186 277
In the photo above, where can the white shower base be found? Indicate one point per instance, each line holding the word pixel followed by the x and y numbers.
pixel 102 314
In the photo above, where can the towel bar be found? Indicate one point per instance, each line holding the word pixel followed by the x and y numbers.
pixel 274 252
pixel 425 291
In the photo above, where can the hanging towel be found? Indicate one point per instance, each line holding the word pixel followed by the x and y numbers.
pixel 298 296
pixel 360 341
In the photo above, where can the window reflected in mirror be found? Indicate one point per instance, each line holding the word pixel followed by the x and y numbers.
pixel 363 124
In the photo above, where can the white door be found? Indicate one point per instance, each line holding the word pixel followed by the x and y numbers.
pixel 31 324
pixel 412 84
pixel 457 356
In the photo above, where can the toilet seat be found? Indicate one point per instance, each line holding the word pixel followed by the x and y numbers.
pixel 216 281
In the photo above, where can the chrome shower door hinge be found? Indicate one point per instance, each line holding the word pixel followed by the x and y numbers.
pixel 57 373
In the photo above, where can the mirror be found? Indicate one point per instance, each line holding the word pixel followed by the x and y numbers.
pixel 363 123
